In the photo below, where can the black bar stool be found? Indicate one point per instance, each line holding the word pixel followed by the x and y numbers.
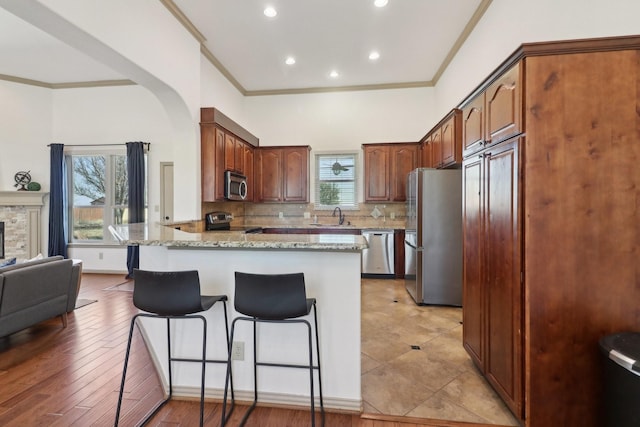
pixel 274 298
pixel 174 295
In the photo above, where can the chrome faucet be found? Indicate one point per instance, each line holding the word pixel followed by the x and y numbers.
pixel 340 215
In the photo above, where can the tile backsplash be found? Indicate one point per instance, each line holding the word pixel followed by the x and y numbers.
pixel 368 215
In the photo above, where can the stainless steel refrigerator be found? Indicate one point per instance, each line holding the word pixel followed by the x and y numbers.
pixel 433 239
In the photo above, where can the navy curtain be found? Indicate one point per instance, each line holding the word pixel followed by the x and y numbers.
pixel 57 203
pixel 135 176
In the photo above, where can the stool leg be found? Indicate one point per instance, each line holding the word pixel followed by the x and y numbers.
pixel 229 343
pixel 315 318
pixel 313 408
pixel 124 370
pixel 204 365
pixel 255 376
pixel 227 379
pixel 169 357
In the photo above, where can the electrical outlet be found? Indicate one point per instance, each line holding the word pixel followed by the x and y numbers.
pixel 392 215
pixel 307 215
pixel 100 255
pixel 237 350
pixel 281 215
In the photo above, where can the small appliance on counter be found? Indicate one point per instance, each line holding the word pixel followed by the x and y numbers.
pixel 221 221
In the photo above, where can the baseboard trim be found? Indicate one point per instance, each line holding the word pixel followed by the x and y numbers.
pixel 351 406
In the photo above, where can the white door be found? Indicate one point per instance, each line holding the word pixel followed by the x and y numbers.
pixel 166 191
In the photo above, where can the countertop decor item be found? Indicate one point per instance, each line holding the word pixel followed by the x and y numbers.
pixel 34 186
pixel 22 179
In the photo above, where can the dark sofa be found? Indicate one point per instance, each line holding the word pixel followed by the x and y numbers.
pixel 35 291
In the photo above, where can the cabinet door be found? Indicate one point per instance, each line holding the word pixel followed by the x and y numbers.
pixel 376 173
pixel 426 156
pixel 268 175
pixel 451 141
pixel 503 274
pixel 295 174
pixel 404 158
pixel 503 106
pixel 436 148
pixel 248 162
pixel 473 303
pixel 208 162
pixel 473 125
pixel 229 152
pixel 238 156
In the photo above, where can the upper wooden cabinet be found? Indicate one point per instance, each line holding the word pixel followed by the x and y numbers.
pixel 282 174
pixel 494 114
pixel 221 149
pixel 442 145
pixel 385 170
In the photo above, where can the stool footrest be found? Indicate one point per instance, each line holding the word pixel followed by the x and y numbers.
pixel 284 365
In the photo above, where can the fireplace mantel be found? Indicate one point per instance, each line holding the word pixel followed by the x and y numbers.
pixel 21 212
pixel 22 198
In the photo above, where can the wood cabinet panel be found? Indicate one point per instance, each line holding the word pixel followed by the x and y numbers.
pixel 377 172
pixel 504 107
pixel 503 274
pixel 474 291
pixel 451 139
pixel 248 169
pixel 426 153
pixel 385 170
pixel 404 159
pixel 268 175
pixel 473 125
pixel 296 174
pixel 229 152
pixel 282 174
pixel 436 148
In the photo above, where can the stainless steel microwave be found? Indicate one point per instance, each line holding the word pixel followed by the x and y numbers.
pixel 235 186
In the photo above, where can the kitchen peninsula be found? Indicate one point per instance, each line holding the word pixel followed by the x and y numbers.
pixel 331 264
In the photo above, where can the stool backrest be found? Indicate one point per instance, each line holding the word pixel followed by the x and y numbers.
pixel 168 293
pixel 271 296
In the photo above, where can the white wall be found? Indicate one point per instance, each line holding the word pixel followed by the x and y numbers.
pixel 509 23
pixel 25 130
pixel 341 120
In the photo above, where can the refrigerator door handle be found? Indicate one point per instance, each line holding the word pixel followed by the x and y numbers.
pixel 412 246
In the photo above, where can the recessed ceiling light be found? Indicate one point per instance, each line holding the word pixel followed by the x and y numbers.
pixel 374 55
pixel 270 12
pixel 334 74
pixel 290 60
pixel 381 3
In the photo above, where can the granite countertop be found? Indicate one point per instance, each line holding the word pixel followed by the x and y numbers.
pixel 160 235
pixel 197 226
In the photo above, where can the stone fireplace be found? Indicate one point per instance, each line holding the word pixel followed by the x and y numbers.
pixel 21 213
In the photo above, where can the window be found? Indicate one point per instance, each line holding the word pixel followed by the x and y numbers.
pixel 98 195
pixel 336 182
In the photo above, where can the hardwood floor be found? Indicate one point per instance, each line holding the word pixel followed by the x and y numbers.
pixel 55 376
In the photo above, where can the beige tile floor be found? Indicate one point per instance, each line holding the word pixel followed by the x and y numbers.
pixel 436 381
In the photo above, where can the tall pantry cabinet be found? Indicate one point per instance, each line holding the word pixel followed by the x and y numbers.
pixel 551 144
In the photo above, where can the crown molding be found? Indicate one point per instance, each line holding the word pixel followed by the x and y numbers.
pixel 471 24
pixel 310 90
pixel 97 83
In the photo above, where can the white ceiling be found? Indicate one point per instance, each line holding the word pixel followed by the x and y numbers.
pixel 415 39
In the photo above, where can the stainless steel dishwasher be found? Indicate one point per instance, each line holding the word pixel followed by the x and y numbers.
pixel 378 258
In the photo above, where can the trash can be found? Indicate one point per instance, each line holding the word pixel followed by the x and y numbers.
pixel 621 379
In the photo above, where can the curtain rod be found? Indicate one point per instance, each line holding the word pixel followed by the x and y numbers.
pixel 148 144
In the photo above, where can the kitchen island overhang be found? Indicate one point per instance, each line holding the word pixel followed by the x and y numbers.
pixel 332 266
